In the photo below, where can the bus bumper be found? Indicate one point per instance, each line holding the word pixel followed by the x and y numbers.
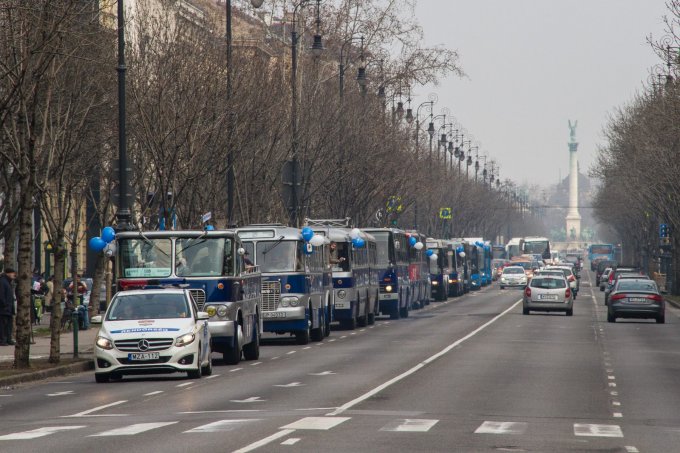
pixel 389 302
pixel 285 319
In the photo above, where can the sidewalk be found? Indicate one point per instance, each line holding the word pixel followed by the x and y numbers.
pixel 41 348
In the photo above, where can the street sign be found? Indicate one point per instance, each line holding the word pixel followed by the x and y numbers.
pixel 394 204
pixel 445 213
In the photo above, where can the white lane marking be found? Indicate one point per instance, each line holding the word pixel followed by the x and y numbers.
pixel 371 327
pixel 501 428
pixel 98 408
pixel 410 425
pixel 132 429
pixel 631 449
pixel 331 340
pixel 6 395
pixel 307 347
pixel 274 358
pixel 436 356
pixel 40 432
pixel 316 423
pixel 256 364
pixel 344 336
pixel 353 333
pixel 614 393
pixel 362 330
pixel 618 415
pixel 184 384
pixel 229 411
pixel 68 392
pixel 616 403
pixel 612 384
pixel 213 376
pixel 221 425
pixel 592 430
pixel 157 392
pixel 611 377
pixel 292 384
pixel 252 399
pixel 291 352
pixel 235 369
pixel 609 370
pixel 323 373
pixel 291 441
pixel 265 441
pixel 316 409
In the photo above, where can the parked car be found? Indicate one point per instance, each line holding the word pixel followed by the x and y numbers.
pixel 636 298
pixel 152 332
pixel 604 278
pixel 548 293
pixel 513 276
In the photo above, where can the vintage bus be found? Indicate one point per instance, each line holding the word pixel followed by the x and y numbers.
pixel 498 252
pixel 600 252
pixel 296 281
pixel 392 264
pixel 533 245
pixel 354 275
pixel 514 248
pixel 210 265
pixel 419 272
pixel 440 269
pixel 459 278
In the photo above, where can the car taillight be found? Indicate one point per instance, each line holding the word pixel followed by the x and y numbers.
pixel 611 278
pixel 617 297
pixel 571 278
pixel 133 284
pixel 567 293
pixel 655 298
pixel 527 291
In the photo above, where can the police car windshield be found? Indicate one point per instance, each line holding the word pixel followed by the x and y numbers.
pixel 148 306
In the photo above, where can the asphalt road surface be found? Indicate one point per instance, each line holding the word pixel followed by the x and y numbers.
pixel 471 374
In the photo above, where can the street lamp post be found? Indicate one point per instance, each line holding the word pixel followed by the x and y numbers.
pixel 123 215
pixel 317 48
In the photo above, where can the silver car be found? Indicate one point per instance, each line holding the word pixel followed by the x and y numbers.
pixel 548 293
pixel 604 278
pixel 513 276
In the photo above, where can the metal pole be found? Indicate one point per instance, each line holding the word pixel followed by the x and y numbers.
pixel 342 79
pixel 230 124
pixel 294 125
pixel 123 216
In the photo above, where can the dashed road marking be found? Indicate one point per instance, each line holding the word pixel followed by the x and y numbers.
pixel 221 425
pixel 265 441
pixel 252 399
pixel 410 425
pixel 489 427
pixel 291 352
pixel 316 423
pixel 235 369
pixel 185 384
pixel 40 432
pixel 256 364
pixel 98 408
pixel 157 392
pixel 292 384
pixel 131 430
pixel 291 441
pixel 617 415
pixel 593 430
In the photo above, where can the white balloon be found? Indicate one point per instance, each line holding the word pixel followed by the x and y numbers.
pixel 462 254
pixel 355 233
pixel 316 240
pixel 110 249
pixel 434 257
pixel 419 246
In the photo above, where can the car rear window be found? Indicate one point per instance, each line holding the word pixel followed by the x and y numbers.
pixel 548 283
pixel 633 285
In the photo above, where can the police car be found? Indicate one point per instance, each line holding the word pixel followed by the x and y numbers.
pixel 152 331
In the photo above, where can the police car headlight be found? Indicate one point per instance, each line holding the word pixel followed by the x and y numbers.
pixel 211 310
pixel 222 311
pixel 342 294
pixel 185 339
pixel 104 343
pixel 388 288
pixel 289 301
pixel 452 281
pixel 435 282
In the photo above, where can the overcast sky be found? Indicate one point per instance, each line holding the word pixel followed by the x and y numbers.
pixel 534 64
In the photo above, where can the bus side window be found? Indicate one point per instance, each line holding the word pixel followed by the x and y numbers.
pixel 228 264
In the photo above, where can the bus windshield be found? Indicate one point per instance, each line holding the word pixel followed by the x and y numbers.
pixel 601 249
pixel 144 257
pixel 202 257
pixel 538 247
pixel 383 246
pixel 277 256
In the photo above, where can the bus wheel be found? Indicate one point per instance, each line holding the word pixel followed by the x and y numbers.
pixel 363 320
pixel 404 311
pixel 232 354
pixel 327 322
pixel 302 336
pixel 251 351
pixel 318 333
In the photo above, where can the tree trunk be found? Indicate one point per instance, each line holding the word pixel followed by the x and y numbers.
pixel 55 319
pixel 97 280
pixel 23 317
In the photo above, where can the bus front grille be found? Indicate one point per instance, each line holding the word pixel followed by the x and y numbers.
pixel 271 292
pixel 199 297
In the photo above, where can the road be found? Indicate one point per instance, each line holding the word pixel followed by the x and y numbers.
pixel 471 374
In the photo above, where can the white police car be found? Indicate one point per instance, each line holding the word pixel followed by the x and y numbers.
pixel 152 332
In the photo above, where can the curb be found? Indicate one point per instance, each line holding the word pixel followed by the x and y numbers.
pixel 60 370
pixel 674 303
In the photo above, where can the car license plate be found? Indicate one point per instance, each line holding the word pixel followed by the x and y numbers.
pixel 637 300
pixel 273 314
pixel 547 297
pixel 144 356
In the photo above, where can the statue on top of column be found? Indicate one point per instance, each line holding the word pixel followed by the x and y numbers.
pixel 572 130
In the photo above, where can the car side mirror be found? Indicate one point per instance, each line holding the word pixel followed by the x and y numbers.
pixel 202 316
pixel 97 319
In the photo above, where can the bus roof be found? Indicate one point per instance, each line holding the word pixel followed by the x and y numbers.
pixel 269 232
pixel 175 234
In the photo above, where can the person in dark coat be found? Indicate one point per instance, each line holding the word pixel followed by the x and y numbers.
pixel 7 307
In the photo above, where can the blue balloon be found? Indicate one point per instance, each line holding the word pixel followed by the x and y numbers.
pixel 412 241
pixel 307 234
pixel 209 228
pixel 360 242
pixel 97 244
pixel 460 249
pixel 429 253
pixel 108 234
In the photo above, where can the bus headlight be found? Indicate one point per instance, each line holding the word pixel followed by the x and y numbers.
pixel 291 301
pixel 211 310
pixel 388 288
pixel 104 343
pixel 222 311
pixel 435 282
pixel 342 294
pixel 185 339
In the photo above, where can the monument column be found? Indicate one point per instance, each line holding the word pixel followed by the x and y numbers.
pixel 573 217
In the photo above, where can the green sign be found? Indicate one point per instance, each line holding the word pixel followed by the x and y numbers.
pixel 394 204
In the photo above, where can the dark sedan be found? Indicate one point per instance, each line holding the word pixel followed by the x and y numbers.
pixel 636 298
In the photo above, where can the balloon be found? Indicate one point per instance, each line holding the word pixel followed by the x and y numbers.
pixel 108 234
pixel 358 242
pixel 110 249
pixel 429 253
pixel 412 241
pixel 307 234
pixel 419 246
pixel 462 254
pixel 97 244
pixel 209 228
pixel 460 249
pixel 317 240
pixel 354 233
pixel 434 257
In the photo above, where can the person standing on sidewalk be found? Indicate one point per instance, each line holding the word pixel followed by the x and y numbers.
pixel 7 307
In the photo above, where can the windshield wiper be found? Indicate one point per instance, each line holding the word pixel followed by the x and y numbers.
pixel 153 244
pixel 199 240
pixel 273 245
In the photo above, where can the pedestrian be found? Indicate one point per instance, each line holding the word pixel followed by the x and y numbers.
pixel 49 294
pixel 7 306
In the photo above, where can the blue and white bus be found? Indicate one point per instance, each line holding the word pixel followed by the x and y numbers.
pixel 296 281
pixel 419 271
pixel 355 277
pixel 600 252
pixel 392 263
pixel 440 269
pixel 459 281
pixel 210 265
